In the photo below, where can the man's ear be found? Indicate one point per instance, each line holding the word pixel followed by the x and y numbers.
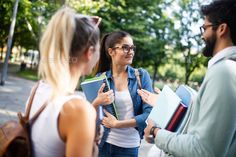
pixel 89 53
pixel 223 29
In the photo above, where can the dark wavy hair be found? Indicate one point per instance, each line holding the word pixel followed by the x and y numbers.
pixel 108 41
pixel 222 11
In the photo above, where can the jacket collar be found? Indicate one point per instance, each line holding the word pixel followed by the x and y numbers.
pixel 225 53
pixel 130 70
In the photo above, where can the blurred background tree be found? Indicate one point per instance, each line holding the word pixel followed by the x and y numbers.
pixel 165 32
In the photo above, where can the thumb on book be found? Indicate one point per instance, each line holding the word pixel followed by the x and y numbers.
pixel 101 88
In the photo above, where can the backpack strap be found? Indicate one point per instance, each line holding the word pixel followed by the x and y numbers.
pixel 25 119
pixel 35 116
pixel 137 75
pixel 30 102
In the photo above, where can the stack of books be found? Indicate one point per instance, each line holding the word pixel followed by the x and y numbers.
pixel 172 106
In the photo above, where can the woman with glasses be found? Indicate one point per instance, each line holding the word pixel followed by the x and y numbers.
pixel 69 49
pixel 123 130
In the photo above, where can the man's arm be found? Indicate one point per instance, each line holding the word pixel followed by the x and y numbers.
pixel 212 124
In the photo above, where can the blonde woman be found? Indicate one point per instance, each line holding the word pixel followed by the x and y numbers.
pixel 69 49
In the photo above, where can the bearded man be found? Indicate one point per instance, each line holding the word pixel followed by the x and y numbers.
pixel 211 124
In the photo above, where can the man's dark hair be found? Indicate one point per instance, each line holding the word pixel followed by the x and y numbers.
pixel 222 11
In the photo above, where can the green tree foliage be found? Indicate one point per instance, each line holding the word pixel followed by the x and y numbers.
pixel 187 40
pixel 145 20
pixel 150 22
pixel 6 9
pixel 32 16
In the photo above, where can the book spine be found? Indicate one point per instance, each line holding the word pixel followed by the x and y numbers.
pixel 176 118
pixel 107 88
pixel 115 110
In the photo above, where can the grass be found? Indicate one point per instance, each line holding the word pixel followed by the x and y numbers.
pixel 28 74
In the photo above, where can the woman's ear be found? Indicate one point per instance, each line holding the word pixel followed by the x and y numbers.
pixel 89 53
pixel 110 51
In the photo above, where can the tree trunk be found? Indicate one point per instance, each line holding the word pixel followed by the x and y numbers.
pixel 188 64
pixel 12 45
pixel 187 78
pixel 1 55
pixel 9 43
pixel 62 2
pixel 154 77
pixel 186 70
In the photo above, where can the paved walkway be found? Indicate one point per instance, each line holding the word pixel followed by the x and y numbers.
pixel 13 96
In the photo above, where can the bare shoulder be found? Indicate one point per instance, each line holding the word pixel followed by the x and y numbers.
pixel 78 107
pixel 75 117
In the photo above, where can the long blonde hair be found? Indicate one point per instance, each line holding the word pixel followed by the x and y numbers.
pixel 66 37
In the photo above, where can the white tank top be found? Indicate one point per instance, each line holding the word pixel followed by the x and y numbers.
pixel 44 132
pixel 124 137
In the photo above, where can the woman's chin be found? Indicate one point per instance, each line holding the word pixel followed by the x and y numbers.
pixel 128 63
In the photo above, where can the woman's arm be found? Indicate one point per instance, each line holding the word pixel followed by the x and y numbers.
pixel 77 127
pixel 111 122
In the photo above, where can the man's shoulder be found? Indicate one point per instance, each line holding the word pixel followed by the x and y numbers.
pixel 226 66
pixel 222 73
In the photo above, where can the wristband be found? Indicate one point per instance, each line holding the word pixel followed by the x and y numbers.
pixel 152 131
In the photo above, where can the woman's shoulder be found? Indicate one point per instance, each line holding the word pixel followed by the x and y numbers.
pixel 75 114
pixel 77 107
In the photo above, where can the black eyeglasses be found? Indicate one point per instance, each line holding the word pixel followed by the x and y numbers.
pixel 204 27
pixel 126 48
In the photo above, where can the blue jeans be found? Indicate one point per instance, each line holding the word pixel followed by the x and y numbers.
pixel 110 150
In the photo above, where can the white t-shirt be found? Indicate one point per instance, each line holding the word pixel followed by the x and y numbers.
pixel 124 137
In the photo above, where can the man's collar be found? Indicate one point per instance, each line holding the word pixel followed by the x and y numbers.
pixel 222 54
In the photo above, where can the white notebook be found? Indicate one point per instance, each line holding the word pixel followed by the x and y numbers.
pixel 167 103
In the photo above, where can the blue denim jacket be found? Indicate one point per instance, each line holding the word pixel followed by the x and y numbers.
pixel 141 109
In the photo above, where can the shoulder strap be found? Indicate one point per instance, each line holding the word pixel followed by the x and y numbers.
pixel 35 116
pixel 25 119
pixel 137 75
pixel 29 105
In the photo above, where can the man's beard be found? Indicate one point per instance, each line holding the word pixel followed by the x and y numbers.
pixel 210 45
